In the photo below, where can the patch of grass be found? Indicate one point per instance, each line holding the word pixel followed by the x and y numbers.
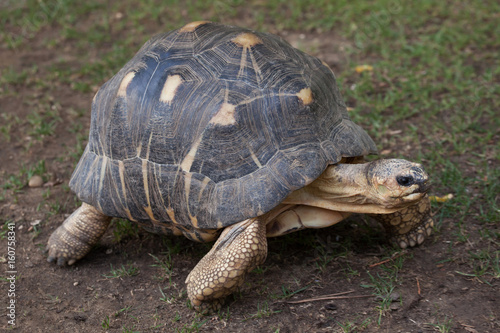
pixel 123 228
pixel 485 264
pixel 5 130
pixel 21 21
pixel 5 228
pixel 349 272
pixel 168 299
pixel 325 250
pixel 42 124
pixel 124 271
pixel 352 326
pixel 488 203
pixel 286 292
pixel 122 310
pixel 46 193
pixel 129 330
pixel 156 317
pixel 55 208
pixel 14 182
pixel 97 71
pixel 476 195
pixel 105 323
pixel 194 326
pixel 165 265
pixel 442 326
pixel 224 316
pixel 174 245
pixel 75 128
pixel 77 151
pixel 260 270
pixel 17 181
pixel 37 230
pixel 263 311
pixel 384 285
pixel 11 76
pixel 176 317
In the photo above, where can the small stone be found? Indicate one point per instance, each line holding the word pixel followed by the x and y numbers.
pixel 35 181
pixel 395 296
pixel 79 317
pixel 394 306
pixel 331 307
pixel 35 222
pixel 75 283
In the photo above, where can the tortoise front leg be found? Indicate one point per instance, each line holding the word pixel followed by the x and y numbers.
pixel 76 236
pixel 239 249
pixel 408 226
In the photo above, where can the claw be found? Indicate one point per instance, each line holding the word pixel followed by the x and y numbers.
pixel 61 261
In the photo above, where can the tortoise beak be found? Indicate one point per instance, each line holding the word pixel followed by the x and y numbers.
pixel 423 187
pixel 415 176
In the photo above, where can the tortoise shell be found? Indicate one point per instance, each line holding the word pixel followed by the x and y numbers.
pixel 209 125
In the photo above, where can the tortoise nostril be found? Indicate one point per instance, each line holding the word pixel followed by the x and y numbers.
pixel 405 180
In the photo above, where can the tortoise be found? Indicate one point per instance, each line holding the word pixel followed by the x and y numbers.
pixel 222 133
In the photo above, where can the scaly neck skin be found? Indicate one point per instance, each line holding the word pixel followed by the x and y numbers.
pixel 341 187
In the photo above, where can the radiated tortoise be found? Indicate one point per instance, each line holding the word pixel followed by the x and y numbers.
pixel 221 133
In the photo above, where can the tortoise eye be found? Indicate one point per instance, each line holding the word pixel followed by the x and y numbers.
pixel 405 180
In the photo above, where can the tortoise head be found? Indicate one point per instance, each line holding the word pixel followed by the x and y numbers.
pixel 396 183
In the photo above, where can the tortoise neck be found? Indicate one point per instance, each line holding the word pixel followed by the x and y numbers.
pixel 341 187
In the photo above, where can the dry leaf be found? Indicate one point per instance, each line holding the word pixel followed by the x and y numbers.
pixel 386 152
pixel 363 68
pixel 469 328
pixel 444 198
pixel 394 132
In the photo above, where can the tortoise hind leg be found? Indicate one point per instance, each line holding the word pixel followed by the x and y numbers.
pixel 76 236
pixel 239 249
pixel 409 226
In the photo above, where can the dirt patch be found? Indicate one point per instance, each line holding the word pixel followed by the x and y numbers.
pixel 432 288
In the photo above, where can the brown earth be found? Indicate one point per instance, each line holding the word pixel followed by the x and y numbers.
pixel 338 259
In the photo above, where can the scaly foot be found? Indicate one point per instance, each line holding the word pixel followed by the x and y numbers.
pixel 76 236
pixel 408 226
pixel 239 249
